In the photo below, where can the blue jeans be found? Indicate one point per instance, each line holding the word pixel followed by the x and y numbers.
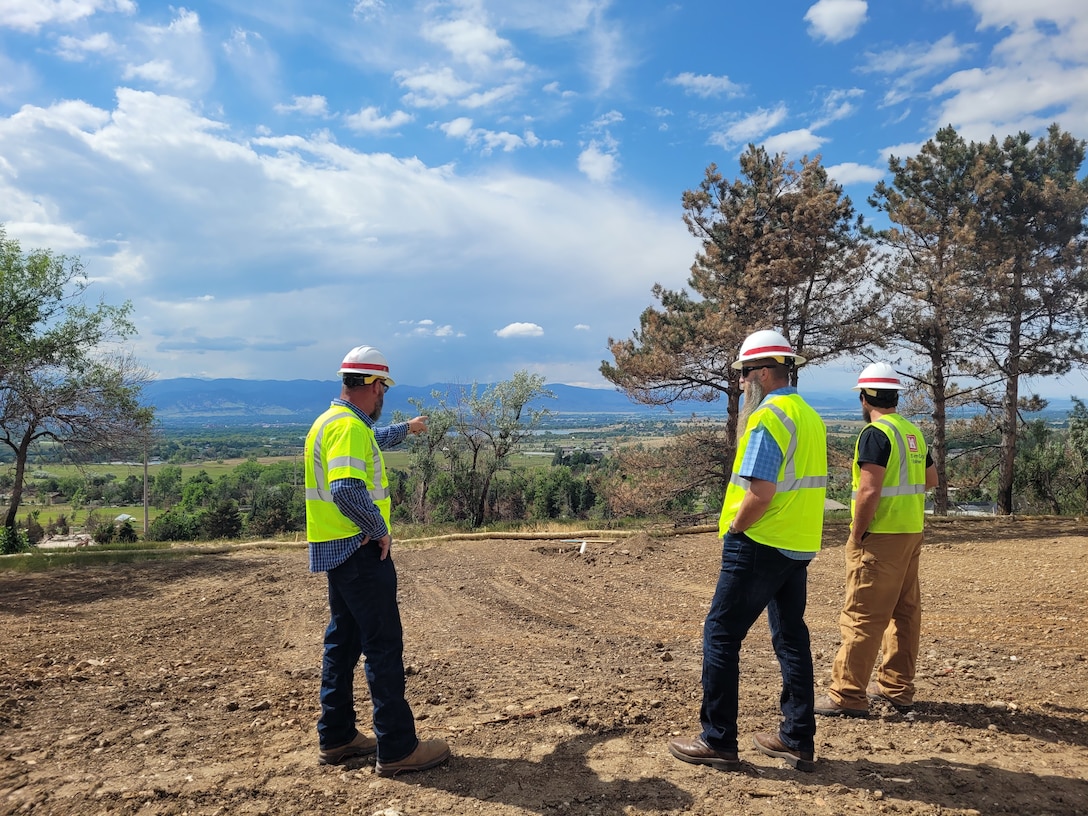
pixel 364 620
pixel 755 577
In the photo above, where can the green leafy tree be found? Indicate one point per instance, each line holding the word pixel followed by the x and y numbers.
pixel 488 425
pixel 197 491
pixel 166 487
pixel 65 378
pixel 240 483
pixel 427 451
pixel 509 496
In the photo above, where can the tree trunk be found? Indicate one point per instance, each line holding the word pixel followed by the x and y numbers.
pixel 1011 413
pixel 480 511
pixel 939 448
pixel 1008 447
pixel 17 485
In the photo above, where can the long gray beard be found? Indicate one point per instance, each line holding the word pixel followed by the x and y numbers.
pixel 753 396
pixel 377 412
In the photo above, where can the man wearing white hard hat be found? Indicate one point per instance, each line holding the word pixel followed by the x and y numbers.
pixel 348 530
pixel 892 470
pixel 771 526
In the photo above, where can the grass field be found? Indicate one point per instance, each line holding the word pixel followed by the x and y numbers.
pixel 395 460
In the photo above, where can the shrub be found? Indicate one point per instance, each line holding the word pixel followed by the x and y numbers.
pixel 126 533
pixel 58 526
pixel 174 525
pixel 103 533
pixel 13 540
pixel 276 509
pixel 221 521
pixel 34 530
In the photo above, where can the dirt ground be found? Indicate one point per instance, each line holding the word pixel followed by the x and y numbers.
pixel 190 685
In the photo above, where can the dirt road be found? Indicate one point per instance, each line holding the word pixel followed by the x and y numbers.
pixel 190 685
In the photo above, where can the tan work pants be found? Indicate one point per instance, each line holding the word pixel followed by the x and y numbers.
pixel 882 611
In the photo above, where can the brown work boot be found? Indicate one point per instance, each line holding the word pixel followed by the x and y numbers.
pixel 877 695
pixel 362 745
pixel 772 746
pixel 697 752
pixel 428 754
pixel 827 707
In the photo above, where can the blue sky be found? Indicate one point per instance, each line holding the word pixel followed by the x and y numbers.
pixel 474 187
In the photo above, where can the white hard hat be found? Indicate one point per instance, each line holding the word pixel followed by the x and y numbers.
pixel 879 377
pixel 766 343
pixel 368 361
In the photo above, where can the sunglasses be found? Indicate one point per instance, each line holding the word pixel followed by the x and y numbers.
pixel 370 380
pixel 746 370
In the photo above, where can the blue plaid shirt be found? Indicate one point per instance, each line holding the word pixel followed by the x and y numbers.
pixel 762 460
pixel 353 500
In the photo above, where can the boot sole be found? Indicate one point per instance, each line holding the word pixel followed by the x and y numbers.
pixel 394 768
pixel 713 762
pixel 843 712
pixel 340 759
pixel 793 761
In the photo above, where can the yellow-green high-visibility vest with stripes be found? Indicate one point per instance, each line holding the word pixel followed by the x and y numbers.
pixel 903 495
pixel 794 519
pixel 341 446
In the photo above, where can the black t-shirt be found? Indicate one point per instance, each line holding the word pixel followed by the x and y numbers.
pixel 875 448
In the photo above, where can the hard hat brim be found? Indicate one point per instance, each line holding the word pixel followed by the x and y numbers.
pixel 878 384
pixel 366 371
pixel 743 361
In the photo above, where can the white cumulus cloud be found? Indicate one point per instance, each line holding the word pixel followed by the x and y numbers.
pixel 520 330
pixel 836 20
pixel 793 143
pixel 854 173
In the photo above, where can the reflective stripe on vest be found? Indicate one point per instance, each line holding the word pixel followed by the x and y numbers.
pixel 794 518
pixel 353 453
pixel 902 494
pixel 904 488
pixel 789 480
pixel 321 492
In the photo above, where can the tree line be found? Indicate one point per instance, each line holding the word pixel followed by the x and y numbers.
pixel 977 282
pixel 255 499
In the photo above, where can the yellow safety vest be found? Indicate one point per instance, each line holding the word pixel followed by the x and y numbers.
pixel 794 519
pixel 903 496
pixel 341 446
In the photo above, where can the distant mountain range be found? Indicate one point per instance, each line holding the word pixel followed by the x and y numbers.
pixel 189 401
pixel 228 401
